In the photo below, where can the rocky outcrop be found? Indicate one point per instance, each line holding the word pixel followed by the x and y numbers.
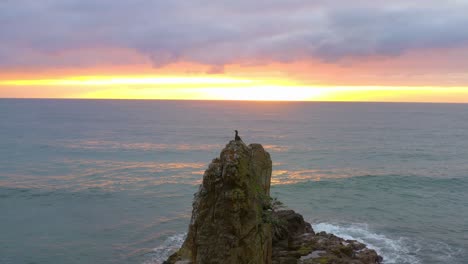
pixel 227 224
pixel 234 220
pixel 298 244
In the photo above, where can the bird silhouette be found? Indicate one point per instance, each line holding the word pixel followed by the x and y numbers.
pixel 237 138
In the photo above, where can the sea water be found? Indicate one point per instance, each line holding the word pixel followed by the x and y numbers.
pixel 109 181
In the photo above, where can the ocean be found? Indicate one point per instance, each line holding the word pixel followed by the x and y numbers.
pixel 112 181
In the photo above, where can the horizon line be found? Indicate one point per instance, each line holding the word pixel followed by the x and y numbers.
pixel 223 100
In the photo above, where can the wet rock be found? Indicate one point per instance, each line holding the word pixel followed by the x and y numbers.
pixel 235 221
pixel 227 224
pixel 306 247
pixel 291 224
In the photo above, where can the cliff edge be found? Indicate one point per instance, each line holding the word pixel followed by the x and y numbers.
pixel 234 220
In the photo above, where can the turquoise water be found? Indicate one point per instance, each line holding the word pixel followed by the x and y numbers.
pixel 84 181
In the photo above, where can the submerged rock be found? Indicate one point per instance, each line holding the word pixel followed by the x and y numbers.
pixel 235 221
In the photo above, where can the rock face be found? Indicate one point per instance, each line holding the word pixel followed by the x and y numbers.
pixel 227 224
pixel 234 220
pixel 297 243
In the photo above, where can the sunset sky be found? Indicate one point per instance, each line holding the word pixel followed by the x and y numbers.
pixel 322 50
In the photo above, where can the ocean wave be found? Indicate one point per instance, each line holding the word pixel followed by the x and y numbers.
pixel 162 252
pixel 394 251
pixel 108 175
pixel 364 178
pixel 108 145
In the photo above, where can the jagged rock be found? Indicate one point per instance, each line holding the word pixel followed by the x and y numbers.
pixel 234 220
pixel 300 245
pixel 227 224
pixel 291 224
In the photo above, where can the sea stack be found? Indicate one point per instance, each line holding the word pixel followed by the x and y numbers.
pixel 227 225
pixel 235 221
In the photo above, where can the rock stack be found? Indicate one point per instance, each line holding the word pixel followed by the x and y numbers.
pixel 234 220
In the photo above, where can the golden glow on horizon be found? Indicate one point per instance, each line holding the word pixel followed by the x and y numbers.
pixel 219 88
pixel 131 80
pixel 265 93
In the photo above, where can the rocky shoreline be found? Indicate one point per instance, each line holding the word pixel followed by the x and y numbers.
pixel 298 243
pixel 234 220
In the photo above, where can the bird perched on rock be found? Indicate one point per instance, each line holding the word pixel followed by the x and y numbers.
pixel 237 138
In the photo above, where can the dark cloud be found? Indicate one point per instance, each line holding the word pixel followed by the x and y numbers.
pixel 44 32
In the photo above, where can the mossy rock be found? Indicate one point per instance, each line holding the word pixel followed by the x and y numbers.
pixel 343 250
pixel 305 250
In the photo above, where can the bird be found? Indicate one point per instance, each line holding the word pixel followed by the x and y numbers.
pixel 237 138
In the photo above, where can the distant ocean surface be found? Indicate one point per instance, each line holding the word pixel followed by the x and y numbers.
pixel 91 181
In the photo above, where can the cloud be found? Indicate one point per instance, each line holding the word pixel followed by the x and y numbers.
pixel 51 32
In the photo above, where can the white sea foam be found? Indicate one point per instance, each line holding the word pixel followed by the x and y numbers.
pixel 169 246
pixel 392 250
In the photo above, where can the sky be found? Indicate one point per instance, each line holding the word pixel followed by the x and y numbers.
pixel 321 50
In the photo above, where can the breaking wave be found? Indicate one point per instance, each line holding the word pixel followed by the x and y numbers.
pixel 394 251
pixel 169 246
